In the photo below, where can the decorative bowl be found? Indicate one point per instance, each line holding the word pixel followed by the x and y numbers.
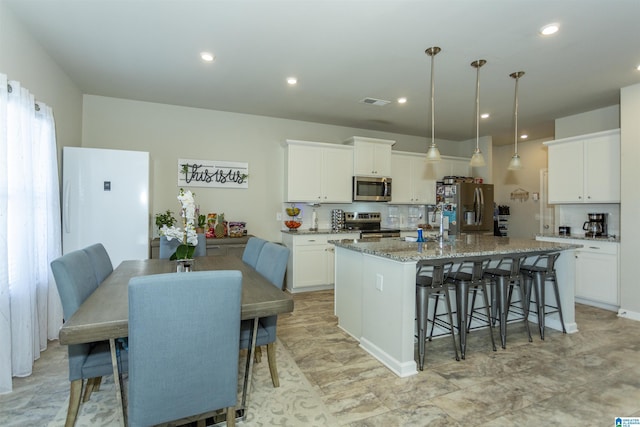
pixel 293 212
pixel 293 225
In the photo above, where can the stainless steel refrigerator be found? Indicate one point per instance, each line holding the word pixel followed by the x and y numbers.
pixel 105 199
pixel 469 206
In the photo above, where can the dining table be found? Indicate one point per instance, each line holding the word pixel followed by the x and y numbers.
pixel 104 315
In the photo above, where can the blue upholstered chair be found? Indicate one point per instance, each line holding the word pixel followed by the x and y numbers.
pixel 76 279
pixel 100 261
pixel 168 247
pixel 252 251
pixel 272 264
pixel 197 373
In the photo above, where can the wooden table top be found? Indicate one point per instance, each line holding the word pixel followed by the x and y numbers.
pixel 105 314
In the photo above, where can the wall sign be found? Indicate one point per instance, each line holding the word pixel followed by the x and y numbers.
pixel 212 173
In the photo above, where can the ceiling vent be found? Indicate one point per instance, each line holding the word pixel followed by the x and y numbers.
pixel 374 101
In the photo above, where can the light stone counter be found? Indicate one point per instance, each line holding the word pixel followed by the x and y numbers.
pixel 375 292
pixel 460 246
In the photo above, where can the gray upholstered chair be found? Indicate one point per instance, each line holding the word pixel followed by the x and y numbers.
pixel 168 247
pixel 100 261
pixel 183 346
pixel 272 264
pixel 76 279
pixel 252 251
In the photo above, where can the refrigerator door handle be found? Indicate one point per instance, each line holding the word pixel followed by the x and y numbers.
pixel 65 209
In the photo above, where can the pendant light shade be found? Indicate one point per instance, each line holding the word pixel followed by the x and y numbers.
pixel 515 162
pixel 477 160
pixel 433 154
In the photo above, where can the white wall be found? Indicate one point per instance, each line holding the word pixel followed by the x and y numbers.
pixel 524 220
pixel 24 60
pixel 592 121
pixel 172 132
pixel 630 205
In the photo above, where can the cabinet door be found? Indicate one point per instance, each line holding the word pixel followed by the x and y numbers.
pixel 364 159
pixel 401 184
pixel 460 167
pixel 304 174
pixel 310 267
pixel 602 169
pixel 566 171
pixel 382 159
pixel 597 277
pixel 424 185
pixel 337 173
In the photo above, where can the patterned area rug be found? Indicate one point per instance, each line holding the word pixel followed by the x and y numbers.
pixel 294 403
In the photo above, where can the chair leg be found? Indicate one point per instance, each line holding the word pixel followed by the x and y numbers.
pixel 273 368
pixel 258 354
pixel 92 385
pixel 433 321
pixel 422 306
pixel 74 402
pixel 557 292
pixel 488 314
pixel 201 423
pixel 231 416
pixel 453 334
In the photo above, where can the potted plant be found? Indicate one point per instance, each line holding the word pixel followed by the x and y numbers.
pixel 202 221
pixel 163 219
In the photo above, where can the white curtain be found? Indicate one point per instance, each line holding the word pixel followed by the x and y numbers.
pixel 30 309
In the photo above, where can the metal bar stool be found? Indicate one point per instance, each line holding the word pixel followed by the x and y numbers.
pixel 430 282
pixel 539 272
pixel 504 276
pixel 467 277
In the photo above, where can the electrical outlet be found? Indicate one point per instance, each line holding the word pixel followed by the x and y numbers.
pixel 278 216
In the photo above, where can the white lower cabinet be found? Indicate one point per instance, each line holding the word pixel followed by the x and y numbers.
pixel 596 272
pixel 311 262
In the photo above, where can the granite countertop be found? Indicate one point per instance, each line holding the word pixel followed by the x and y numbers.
pixel 460 246
pixel 580 237
pixel 305 231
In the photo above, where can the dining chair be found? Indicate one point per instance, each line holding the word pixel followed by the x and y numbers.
pixel 100 261
pixel 252 250
pixel 183 346
pixel 76 280
pixel 168 247
pixel 272 264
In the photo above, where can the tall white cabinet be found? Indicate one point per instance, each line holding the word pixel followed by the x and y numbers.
pixel 585 168
pixel 318 172
pixel 414 180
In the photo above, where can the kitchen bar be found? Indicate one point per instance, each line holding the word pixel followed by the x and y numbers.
pixel 375 293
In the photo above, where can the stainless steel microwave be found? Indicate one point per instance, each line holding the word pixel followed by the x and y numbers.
pixel 371 189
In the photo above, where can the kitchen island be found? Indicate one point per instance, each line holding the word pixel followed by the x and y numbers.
pixel 375 287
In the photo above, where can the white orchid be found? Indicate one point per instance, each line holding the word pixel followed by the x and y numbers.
pixel 189 238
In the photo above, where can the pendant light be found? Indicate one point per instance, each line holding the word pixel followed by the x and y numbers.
pixel 477 160
pixel 515 163
pixel 433 154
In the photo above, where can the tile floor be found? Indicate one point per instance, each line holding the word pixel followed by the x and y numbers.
pixel 582 379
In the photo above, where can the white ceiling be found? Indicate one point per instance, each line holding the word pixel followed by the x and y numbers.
pixel 344 51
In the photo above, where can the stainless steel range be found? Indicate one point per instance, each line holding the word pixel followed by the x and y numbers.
pixel 368 223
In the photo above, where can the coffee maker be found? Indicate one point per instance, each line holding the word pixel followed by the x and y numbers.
pixel 596 226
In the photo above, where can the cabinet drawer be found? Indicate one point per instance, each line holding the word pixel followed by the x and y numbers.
pixel 599 247
pixel 315 239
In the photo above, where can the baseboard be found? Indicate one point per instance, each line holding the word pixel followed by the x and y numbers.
pixel 628 314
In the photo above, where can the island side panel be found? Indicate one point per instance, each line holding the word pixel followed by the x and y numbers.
pixel 566 276
pixel 388 312
pixel 348 291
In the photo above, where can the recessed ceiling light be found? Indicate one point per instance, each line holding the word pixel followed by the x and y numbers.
pixel 638 68
pixel 292 80
pixel 207 57
pixel 484 116
pixel 549 29
pixel 524 136
pixel 402 100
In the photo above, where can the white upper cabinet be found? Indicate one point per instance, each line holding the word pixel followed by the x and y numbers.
pixel 585 169
pixel 318 172
pixel 372 157
pixel 452 166
pixel 414 180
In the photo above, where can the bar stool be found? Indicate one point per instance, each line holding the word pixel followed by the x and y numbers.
pixel 539 272
pixel 504 276
pixel 468 276
pixel 430 282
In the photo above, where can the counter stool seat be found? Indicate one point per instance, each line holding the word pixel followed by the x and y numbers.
pixel 504 276
pixel 430 282
pixel 468 276
pixel 538 273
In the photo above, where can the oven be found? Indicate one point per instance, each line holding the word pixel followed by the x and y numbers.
pixel 368 224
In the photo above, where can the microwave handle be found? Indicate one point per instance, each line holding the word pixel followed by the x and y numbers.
pixel 386 188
